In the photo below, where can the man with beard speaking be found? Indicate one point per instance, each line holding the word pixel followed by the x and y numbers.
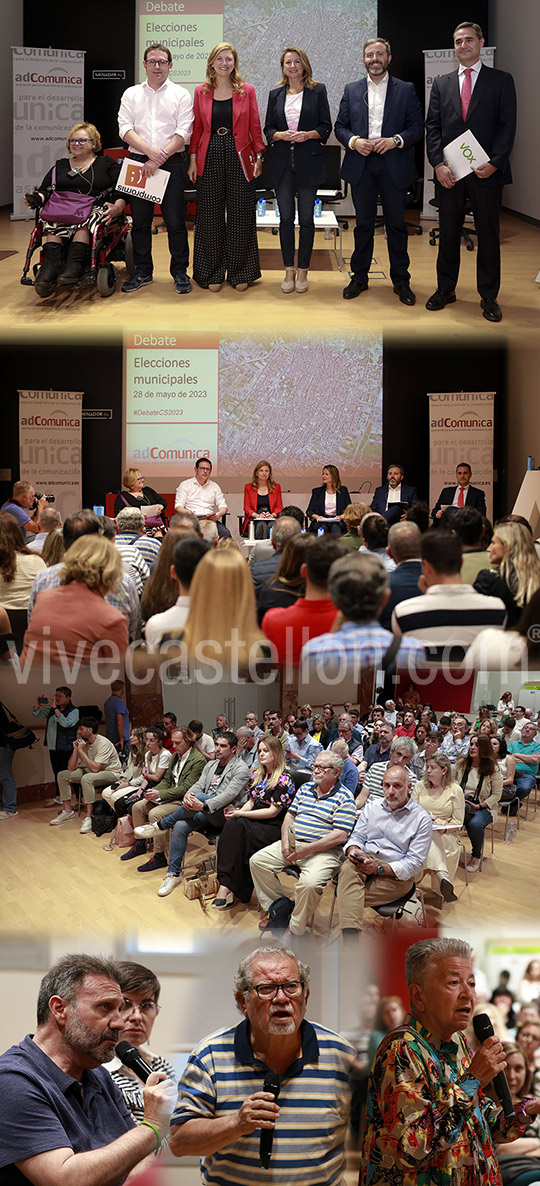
pixel 267 1100
pixel 64 1122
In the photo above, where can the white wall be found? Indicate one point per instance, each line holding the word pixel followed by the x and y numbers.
pixel 515 32
pixel 11 23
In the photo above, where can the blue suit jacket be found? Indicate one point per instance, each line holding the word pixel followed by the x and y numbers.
pixel 475 498
pixel 402 116
pixel 403 584
pixel 308 156
pixel 378 502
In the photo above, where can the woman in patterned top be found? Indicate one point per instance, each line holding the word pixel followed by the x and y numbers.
pixel 253 826
pixel 141 990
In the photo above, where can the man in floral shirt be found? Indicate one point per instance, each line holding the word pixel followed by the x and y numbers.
pixel 429 1121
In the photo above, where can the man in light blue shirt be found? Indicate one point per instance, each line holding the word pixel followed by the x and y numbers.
pixel 301 749
pixel 527 752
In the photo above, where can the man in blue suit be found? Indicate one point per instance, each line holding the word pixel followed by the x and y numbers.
pixel 378 122
pixel 403 547
pixel 389 500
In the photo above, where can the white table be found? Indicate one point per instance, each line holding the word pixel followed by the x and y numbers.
pixel 326 222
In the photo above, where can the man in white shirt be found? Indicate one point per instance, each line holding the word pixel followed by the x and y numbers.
pixel 186 556
pixel 201 496
pixel 155 119
pixel 378 122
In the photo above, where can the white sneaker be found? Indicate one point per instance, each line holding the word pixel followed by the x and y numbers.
pixel 86 825
pixel 171 881
pixel 62 818
pixel 8 814
pixel 474 865
pixel 146 831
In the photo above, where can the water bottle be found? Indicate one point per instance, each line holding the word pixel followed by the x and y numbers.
pixel 317 209
pixel 276 208
pixel 261 207
pixel 510 831
pixel 530 462
pixel 98 510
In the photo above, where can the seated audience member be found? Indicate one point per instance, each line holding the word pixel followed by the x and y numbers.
pixel 232 638
pixel 404 549
pixel 408 728
pixel 378 751
pixel 386 851
pixel 312 836
pixel 186 556
pixel 402 751
pixel 204 742
pixel 49 520
pixel 18 565
pixel 312 614
pixel 469 525
pixel 431 745
pixel 130 525
pixel 253 826
pixel 514 575
pixel 352 738
pixel 352 519
pixel 209 532
pixel 221 725
pixel 519 1160
pixel 393 498
pixel 275 727
pixel 374 532
pixel 529 988
pixel 285 528
pixel 156 760
pixel 203 497
pixel 135 494
pixel 183 770
pixel 73 619
pixel 61 729
pixel 134 771
pixel 528 1040
pixel 418 514
pixel 318 730
pixel 221 782
pixel 358 587
pixel 161 589
pixel 507 766
pixel 169 722
pixel 94 763
pixel 449 614
pixel 22 502
pixel 53 549
pixel 185 522
pixel 123 597
pixel 460 495
pixel 263 548
pixel 349 774
pixel 481 781
pixel 443 799
pixel 527 758
pixel 247 747
pixel 288 584
pixel 141 989
pixel 251 721
pixel 390 711
pixel 300 748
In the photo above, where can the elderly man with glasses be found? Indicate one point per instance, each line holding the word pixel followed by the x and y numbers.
pixel 267 1100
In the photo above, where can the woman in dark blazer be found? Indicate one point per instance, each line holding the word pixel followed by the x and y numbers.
pixel 297 125
pixel 328 500
pixel 225 158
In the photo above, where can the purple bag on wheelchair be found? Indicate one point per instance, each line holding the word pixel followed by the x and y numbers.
pixel 67 208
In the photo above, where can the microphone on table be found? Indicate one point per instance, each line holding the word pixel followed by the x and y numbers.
pixel 483 1029
pixel 272 1083
pixel 131 1058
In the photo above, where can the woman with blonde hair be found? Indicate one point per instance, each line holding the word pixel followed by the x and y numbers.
pixel 221 626
pixel 255 825
pixel 515 569
pixel 81 178
pixel 135 493
pixel 53 549
pixel 262 499
pixel 226 150
pixel 444 801
pixel 74 620
pixel 352 518
pixel 328 501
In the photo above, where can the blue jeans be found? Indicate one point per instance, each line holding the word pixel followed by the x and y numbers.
pixel 285 192
pixel 525 784
pixel 476 827
pixel 183 823
pixel 8 785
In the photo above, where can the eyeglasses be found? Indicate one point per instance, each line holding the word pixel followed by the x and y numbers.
pixel 267 992
pixel 147 1008
pixel 82 141
pixel 321 768
pixel 157 61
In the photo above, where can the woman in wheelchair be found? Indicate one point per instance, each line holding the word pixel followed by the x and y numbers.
pixel 73 208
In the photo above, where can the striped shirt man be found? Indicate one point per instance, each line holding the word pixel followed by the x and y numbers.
pixel 308 1144
pixel 355 646
pixel 447 618
pixel 315 815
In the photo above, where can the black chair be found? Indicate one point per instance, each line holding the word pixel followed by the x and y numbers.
pixel 18 620
pixel 467 232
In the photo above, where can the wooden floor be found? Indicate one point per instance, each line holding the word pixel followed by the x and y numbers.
pixel 265 307
pixel 56 880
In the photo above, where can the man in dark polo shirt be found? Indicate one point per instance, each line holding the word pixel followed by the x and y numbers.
pixel 63 1118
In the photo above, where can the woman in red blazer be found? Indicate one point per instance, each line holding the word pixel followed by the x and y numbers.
pixel 262 496
pixel 225 158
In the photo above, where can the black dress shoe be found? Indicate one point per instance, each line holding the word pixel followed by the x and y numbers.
pixel 405 294
pixel 440 299
pixel 354 289
pixel 491 310
pixel 447 890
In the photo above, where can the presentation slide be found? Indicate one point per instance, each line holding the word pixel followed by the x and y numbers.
pixel 190 30
pixel 300 403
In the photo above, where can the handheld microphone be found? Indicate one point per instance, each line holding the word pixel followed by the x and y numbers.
pixel 483 1029
pixel 131 1058
pixel 272 1083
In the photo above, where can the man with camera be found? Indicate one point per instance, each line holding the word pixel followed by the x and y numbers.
pixel 22 502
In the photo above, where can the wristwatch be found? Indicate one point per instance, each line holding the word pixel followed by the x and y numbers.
pixel 398 141
pixel 380 870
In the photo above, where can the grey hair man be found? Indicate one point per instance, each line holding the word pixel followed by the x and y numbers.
pixel 402 750
pixel 284 528
pixel 50 1136
pixel 130 524
pixel 247 746
pixel 219 1116
pixel 404 549
pixel 430 1062
pixel 49 520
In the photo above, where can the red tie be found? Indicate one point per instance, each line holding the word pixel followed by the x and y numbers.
pixel 461 497
pixel 466 92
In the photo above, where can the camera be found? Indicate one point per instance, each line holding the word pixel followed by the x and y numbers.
pixel 48 498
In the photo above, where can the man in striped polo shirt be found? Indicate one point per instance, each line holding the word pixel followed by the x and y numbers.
pixel 224 1105
pixel 313 833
